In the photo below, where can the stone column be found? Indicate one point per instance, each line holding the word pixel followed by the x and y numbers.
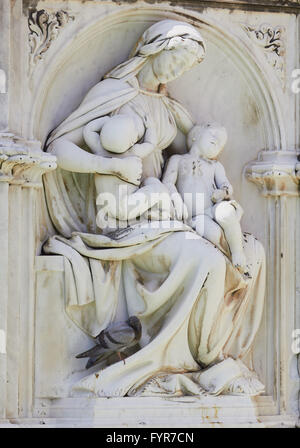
pixel 274 172
pixel 22 164
pixel 4 62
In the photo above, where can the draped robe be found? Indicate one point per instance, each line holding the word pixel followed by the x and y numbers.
pixel 194 306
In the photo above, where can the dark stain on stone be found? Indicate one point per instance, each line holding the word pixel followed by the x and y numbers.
pixel 251 112
pixel 249 5
pixel 139 277
pixel 29 5
pixel 126 1
pixel 286 6
pixel 106 266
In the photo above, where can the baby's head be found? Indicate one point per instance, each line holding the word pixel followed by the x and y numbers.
pixel 119 133
pixel 208 140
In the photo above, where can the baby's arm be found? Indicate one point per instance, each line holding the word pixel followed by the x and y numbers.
pixel 169 179
pixel 143 150
pixel 222 183
pixel 91 134
pixel 92 138
pixel 170 175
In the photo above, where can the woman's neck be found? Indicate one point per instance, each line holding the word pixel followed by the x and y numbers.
pixel 147 79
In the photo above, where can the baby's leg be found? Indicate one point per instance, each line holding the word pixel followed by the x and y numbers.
pixel 126 202
pixel 227 217
pixel 206 227
pixel 159 203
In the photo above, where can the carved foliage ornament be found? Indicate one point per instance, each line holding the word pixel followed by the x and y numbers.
pixel 44 28
pixel 269 38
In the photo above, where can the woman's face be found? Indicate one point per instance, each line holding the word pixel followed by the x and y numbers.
pixel 170 64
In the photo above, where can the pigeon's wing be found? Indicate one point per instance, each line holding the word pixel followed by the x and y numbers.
pixel 97 359
pixel 93 352
pixel 92 362
pixel 118 336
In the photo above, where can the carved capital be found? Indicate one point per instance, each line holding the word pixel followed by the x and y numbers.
pixel 22 161
pixel 275 173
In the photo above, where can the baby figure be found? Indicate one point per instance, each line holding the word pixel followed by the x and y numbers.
pixel 118 136
pixel 198 171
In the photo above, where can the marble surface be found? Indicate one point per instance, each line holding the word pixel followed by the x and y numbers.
pixel 243 84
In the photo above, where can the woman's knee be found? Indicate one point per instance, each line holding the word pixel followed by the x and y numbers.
pixel 202 251
pixel 197 253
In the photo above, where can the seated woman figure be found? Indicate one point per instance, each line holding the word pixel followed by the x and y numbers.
pixel 193 304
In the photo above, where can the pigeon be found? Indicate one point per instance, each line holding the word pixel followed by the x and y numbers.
pixel 115 338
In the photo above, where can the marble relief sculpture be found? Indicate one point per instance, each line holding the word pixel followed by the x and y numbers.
pixel 147 257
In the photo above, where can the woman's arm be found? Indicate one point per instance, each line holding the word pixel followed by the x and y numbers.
pixel 71 157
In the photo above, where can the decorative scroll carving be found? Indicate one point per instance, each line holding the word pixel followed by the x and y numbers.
pixel 44 28
pixel 269 38
pixel 275 173
pixel 23 162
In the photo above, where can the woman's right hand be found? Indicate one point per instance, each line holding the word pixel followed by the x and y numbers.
pixel 130 169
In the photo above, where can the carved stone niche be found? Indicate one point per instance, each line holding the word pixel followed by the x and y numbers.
pixel 228 87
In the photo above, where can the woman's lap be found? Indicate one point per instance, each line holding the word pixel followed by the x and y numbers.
pixel 186 245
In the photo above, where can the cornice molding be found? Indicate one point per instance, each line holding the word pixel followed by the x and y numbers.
pixel 260 5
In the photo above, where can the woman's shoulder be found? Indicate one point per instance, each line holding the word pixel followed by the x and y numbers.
pixel 106 87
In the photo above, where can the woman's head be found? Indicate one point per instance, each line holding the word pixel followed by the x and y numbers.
pixel 170 46
pixel 171 63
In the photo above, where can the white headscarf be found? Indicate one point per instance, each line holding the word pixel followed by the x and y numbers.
pixel 163 35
